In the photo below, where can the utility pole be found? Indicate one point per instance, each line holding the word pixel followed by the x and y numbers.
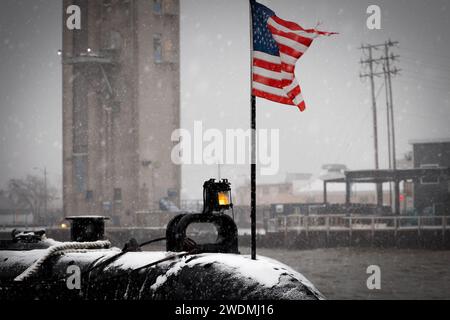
pixel 390 103
pixel 388 121
pixel 370 61
pixel 387 72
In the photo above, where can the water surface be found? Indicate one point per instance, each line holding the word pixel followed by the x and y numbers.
pixel 340 273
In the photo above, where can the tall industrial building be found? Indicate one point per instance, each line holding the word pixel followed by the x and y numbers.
pixel 121 102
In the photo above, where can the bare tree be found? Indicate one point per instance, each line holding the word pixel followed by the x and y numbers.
pixel 30 193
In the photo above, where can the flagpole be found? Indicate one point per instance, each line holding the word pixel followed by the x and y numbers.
pixel 253 147
pixel 253 178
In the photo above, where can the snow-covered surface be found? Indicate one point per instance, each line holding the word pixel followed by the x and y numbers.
pixel 289 271
pixel 27 258
pixel 51 242
pixel 264 270
pixel 134 260
pixel 22 257
pixel 91 255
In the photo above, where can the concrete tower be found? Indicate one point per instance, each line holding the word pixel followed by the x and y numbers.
pixel 121 102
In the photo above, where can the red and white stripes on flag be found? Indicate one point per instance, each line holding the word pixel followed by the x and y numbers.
pixel 274 75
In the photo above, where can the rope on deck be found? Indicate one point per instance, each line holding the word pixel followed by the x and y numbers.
pixel 60 249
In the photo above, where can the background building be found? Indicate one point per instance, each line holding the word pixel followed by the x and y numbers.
pixel 432 196
pixel 306 188
pixel 121 102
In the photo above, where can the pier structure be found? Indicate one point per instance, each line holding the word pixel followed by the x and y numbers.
pixel 338 230
pixel 415 175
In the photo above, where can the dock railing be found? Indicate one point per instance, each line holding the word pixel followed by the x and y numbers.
pixel 341 222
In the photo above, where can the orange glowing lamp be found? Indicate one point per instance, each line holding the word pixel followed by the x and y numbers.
pixel 216 196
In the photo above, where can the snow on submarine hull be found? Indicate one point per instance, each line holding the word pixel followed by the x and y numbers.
pixel 150 276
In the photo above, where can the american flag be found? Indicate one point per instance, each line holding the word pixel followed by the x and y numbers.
pixel 277 45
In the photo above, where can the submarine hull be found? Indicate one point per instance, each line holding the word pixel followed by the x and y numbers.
pixel 150 276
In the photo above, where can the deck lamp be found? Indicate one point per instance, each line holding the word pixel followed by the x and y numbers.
pixel 216 196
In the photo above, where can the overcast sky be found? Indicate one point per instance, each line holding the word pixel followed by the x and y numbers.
pixel 336 127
